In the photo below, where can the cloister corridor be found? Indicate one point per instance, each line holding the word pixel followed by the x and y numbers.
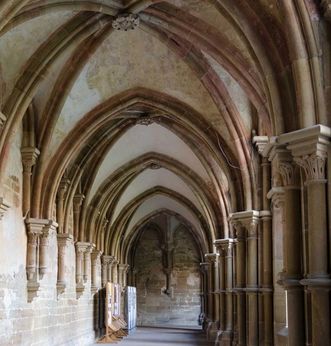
pixel 165 172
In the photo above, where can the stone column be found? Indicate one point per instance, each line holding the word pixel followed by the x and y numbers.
pixel 77 203
pixel 318 279
pixel 121 268
pixel 63 242
pixel 240 283
pixel 87 262
pixel 267 272
pixel 39 231
pixel 204 267
pixel 96 273
pixel 249 220
pixel 292 244
pixel 106 269
pixel 114 266
pixel 81 247
pixel 213 301
pixel 227 248
pixel 309 147
pixel 63 187
pixel 29 159
pixel 221 289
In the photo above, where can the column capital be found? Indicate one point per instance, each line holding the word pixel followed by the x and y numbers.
pixel 106 259
pixel 313 166
pixel 39 226
pixel 211 257
pixel 78 200
pixel 63 186
pixel 261 143
pixel 225 245
pixel 277 196
pixel 3 207
pixel 124 267
pixel 83 246
pixel 29 156
pixel 96 254
pixel 64 239
pixel 244 218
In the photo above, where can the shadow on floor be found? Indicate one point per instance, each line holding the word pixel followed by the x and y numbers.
pixel 149 336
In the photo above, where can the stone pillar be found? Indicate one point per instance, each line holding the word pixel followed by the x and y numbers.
pixel 63 187
pixel 227 249
pixel 114 266
pixel 63 242
pixel 29 159
pixel 106 269
pixel 249 220
pixel 221 289
pixel 81 247
pixel 309 147
pixel 39 231
pixel 204 267
pixel 240 283
pixel 267 272
pixel 292 243
pixel 121 268
pixel 77 203
pixel 96 272
pixel 213 301
pixel 87 262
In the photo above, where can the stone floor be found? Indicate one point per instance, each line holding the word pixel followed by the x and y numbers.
pixel 164 337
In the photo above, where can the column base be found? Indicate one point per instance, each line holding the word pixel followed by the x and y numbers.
pixel 33 288
pixel 212 330
pixel 60 287
pixel 224 338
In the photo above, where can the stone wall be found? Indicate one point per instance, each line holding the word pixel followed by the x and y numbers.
pixel 182 305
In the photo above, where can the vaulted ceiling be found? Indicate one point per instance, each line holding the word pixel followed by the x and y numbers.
pixel 158 118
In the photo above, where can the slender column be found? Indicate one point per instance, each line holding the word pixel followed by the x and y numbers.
pixel 292 244
pixel 96 264
pixel 121 268
pixel 38 233
pixel 63 187
pixel 240 284
pixel 212 330
pixel 267 272
pixel 63 241
pixel 29 159
pixel 252 283
pixel 227 248
pixel 114 266
pixel 80 250
pixel 87 261
pixel 106 269
pixel 77 203
pixel 318 280
pixel 48 230
pixel 204 293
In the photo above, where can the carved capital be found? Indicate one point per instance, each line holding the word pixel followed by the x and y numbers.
pixel 29 157
pixel 96 256
pixel 261 143
pixel 226 245
pixel 63 187
pixel 211 257
pixel 313 165
pixel 3 208
pixel 77 201
pixel 288 171
pixel 108 260
pixel 82 247
pixel 247 219
pixel 277 196
pixel 64 239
